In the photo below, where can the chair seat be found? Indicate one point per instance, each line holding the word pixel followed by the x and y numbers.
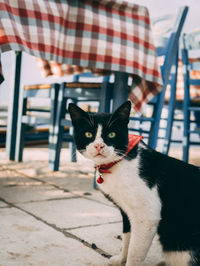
pixel 83 85
pixel 37 87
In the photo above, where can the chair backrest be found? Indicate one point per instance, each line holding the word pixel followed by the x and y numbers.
pixel 191 64
pixel 167 44
pixel 191 46
pixel 34 105
pixel 37 91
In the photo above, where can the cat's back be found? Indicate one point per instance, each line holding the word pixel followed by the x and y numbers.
pixel 163 170
pixel 178 183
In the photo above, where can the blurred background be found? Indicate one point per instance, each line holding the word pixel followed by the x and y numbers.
pixel 156 8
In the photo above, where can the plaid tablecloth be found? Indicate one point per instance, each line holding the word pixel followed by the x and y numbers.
pixel 111 35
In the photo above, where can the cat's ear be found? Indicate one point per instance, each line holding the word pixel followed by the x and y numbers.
pixel 76 113
pixel 123 112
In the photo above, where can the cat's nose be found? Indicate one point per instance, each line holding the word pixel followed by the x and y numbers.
pixel 99 146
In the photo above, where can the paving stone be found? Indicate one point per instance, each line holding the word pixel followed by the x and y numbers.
pixel 27 241
pixel 79 183
pixel 74 182
pixel 3 205
pixel 6 175
pixel 103 236
pixel 107 237
pixel 31 193
pixel 15 188
pixel 72 213
pixel 96 195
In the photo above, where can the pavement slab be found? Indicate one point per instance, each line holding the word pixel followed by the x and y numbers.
pixel 75 182
pixel 105 236
pixel 58 218
pixel 27 241
pixel 108 238
pixel 3 205
pixel 15 188
pixel 73 212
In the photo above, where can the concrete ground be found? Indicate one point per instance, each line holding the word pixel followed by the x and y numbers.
pixel 57 218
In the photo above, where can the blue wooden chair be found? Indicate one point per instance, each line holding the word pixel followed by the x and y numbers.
pixel 191 103
pixel 33 117
pixel 77 92
pixel 167 45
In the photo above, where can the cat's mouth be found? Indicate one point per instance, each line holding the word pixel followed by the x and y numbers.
pixel 99 155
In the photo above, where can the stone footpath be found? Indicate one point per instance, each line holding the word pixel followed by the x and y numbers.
pixel 56 218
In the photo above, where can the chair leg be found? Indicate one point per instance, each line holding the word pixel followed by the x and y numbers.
pixel 186 103
pixel 120 90
pixel 94 181
pixel 20 144
pixel 154 130
pixel 186 135
pixel 56 140
pixel 106 95
pixel 171 107
pixel 13 109
pixel 72 148
pixel 54 104
pixel 20 132
pixel 55 149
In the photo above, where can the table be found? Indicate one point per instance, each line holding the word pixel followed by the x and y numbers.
pixel 112 35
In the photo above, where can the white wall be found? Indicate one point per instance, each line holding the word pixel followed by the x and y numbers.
pixel 161 7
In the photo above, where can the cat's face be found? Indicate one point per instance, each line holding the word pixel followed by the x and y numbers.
pixel 101 137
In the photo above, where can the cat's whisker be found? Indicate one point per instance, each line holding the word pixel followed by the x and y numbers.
pixel 74 153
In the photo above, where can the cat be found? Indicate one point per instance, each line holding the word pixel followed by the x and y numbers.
pixel 155 193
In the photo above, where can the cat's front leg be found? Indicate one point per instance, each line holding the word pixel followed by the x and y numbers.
pixel 120 259
pixel 142 234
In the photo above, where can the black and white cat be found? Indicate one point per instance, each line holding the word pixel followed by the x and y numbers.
pixel 156 194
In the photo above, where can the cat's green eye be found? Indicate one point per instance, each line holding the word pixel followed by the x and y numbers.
pixel 88 135
pixel 112 135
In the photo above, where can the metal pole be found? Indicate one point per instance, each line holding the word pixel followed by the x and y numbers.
pixel 13 108
pixel 120 90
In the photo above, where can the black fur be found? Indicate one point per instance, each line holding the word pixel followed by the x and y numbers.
pixel 125 220
pixel 178 186
pixel 178 183
pixel 85 122
pixel 126 223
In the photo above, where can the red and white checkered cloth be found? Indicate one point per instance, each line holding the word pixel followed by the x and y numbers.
pixel 52 68
pixel 103 34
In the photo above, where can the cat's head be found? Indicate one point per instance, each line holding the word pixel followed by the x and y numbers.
pixel 101 137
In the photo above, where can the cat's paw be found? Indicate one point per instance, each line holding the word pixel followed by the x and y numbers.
pixel 117 261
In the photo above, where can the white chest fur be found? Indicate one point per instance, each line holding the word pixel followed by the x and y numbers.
pixel 130 192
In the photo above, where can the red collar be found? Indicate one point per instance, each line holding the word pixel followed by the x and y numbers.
pixel 103 168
